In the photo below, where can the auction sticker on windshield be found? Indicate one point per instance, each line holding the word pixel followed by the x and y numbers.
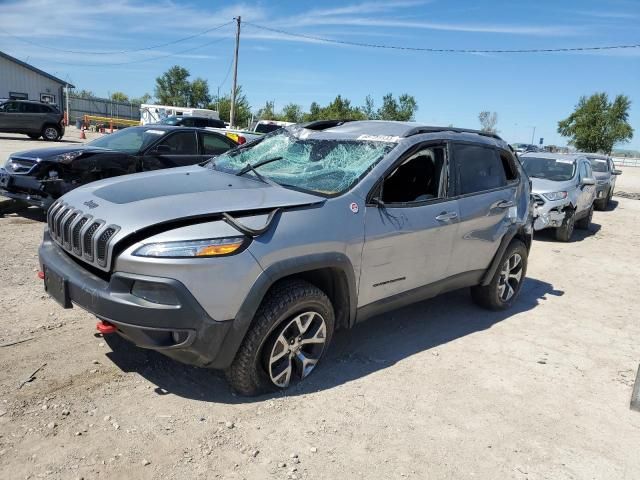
pixel 562 160
pixel 155 132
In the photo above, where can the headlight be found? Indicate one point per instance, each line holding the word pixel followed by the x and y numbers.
pixel 553 196
pixel 212 247
pixel 68 157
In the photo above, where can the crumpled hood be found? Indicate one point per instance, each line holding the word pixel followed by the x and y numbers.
pixel 541 185
pixel 49 152
pixel 138 201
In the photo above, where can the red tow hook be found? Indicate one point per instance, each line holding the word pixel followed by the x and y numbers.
pixel 106 328
pixel 41 275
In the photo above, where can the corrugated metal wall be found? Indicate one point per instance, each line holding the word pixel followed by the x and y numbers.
pixel 16 78
pixel 103 107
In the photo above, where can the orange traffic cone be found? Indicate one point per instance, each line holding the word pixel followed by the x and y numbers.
pixel 82 135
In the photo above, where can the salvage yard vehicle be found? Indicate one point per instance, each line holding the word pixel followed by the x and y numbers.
pixel 251 262
pixel 32 118
pixel 563 191
pixel 191 121
pixel 38 177
pixel 268 126
pixel 605 173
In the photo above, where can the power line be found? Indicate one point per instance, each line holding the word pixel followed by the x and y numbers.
pixel 228 72
pixel 173 42
pixel 441 50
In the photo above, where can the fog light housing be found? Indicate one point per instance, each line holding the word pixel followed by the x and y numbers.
pixel 155 292
pixel 179 337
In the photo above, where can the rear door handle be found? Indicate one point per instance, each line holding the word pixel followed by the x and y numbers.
pixel 505 204
pixel 446 216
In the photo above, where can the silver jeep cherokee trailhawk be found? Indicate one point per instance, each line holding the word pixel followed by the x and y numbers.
pixel 250 262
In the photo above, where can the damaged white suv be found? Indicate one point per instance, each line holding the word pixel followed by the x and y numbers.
pixel 563 189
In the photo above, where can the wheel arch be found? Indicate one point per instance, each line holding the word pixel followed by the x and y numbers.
pixel 515 232
pixel 332 273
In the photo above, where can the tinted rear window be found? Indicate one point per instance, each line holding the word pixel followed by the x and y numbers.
pixel 479 169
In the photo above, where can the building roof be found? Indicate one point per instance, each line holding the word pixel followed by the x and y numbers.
pixel 34 69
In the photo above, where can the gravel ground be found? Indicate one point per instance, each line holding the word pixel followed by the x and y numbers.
pixel 440 389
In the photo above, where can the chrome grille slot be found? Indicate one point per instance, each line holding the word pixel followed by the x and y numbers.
pixel 66 230
pixel 75 235
pixel 57 220
pixel 87 240
pixel 50 215
pixel 103 241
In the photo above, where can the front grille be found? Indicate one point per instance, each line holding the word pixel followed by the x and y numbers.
pixel 81 235
pixel 20 166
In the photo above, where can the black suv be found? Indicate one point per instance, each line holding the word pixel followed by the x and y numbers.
pixel 35 119
pixel 189 121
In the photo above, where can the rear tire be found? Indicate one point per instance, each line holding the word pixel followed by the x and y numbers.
pixel 51 133
pixel 565 232
pixel 601 203
pixel 506 282
pixel 585 222
pixel 290 333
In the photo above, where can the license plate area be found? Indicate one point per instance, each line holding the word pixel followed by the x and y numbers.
pixel 57 287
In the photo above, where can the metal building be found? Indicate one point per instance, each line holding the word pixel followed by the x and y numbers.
pixel 19 80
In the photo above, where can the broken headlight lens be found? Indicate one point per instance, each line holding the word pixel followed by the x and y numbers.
pixel 68 157
pixel 213 247
pixel 553 196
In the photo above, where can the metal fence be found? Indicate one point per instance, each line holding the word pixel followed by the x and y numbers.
pixel 626 161
pixel 102 107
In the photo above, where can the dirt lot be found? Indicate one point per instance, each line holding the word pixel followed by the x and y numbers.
pixel 437 390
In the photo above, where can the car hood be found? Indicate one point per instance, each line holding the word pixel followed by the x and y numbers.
pixel 541 185
pixel 134 202
pixel 49 153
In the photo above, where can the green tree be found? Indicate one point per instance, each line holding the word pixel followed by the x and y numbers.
pixel 597 124
pixel 199 93
pixel 402 109
pixel 173 87
pixel 292 113
pixel 84 94
pixel 143 99
pixel 119 97
pixel 368 110
pixel 243 109
pixel 267 112
pixel 314 113
pixel 340 109
pixel 488 121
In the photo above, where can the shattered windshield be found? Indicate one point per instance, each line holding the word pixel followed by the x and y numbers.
pixel 128 140
pixel 558 170
pixel 327 166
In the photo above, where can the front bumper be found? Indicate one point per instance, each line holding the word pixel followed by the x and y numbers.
pixel 184 332
pixel 549 215
pixel 24 188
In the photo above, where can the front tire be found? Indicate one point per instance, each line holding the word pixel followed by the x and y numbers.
pixel 290 333
pixel 506 282
pixel 565 232
pixel 50 133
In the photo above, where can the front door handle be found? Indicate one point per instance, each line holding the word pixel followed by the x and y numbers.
pixel 505 204
pixel 446 216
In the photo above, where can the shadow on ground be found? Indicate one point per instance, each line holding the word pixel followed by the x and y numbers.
pixel 549 234
pixel 372 346
pixel 44 142
pixel 17 209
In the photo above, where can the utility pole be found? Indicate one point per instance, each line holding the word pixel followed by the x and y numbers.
pixel 232 114
pixel 533 135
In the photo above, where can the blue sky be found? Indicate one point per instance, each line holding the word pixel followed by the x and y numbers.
pixel 526 90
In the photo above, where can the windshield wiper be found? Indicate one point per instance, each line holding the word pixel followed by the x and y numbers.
pixel 248 167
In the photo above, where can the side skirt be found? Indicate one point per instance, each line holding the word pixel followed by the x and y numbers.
pixel 462 280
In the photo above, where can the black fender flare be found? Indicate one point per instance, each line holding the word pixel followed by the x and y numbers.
pixel 509 235
pixel 285 268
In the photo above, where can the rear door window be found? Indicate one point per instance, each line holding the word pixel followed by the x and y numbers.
pixel 478 169
pixel 213 144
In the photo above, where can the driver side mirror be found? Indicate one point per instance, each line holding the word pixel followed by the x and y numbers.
pixel 161 150
pixel 588 181
pixel 616 172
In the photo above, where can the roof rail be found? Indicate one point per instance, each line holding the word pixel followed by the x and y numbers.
pixel 323 124
pixel 418 130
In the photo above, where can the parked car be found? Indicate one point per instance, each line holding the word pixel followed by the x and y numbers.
pixel 189 121
pixel 40 176
pixel 563 191
pixel 250 262
pixel 605 173
pixel 521 148
pixel 34 119
pixel 268 126
pixel 238 135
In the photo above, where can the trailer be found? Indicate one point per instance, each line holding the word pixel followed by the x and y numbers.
pixel 156 113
